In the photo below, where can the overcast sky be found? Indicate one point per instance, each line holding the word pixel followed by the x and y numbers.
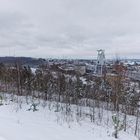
pixel 70 28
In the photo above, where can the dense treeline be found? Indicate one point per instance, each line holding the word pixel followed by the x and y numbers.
pixel 111 92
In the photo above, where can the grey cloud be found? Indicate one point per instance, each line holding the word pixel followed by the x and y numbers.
pixel 70 27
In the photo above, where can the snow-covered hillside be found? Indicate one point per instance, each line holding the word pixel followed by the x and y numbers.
pixel 16 123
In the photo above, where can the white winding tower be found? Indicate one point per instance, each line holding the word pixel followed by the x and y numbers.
pixel 100 64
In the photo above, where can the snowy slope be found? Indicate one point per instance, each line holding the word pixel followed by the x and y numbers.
pixel 20 124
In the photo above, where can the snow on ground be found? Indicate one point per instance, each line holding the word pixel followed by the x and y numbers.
pixel 20 124
pixel 33 70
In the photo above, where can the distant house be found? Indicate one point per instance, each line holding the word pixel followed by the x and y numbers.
pixel 90 68
pixel 80 69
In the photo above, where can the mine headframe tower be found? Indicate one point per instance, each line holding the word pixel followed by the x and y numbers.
pixel 100 67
